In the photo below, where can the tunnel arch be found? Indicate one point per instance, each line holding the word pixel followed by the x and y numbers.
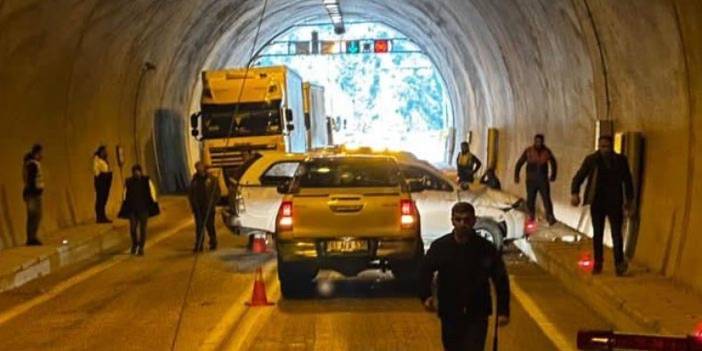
pixel 77 69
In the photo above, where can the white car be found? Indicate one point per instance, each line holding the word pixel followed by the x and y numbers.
pixel 258 199
pixel 497 212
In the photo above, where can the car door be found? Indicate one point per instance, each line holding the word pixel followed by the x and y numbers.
pixel 260 201
pixel 434 203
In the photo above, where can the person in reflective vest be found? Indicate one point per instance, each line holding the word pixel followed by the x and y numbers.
pixel 538 158
pixel 467 164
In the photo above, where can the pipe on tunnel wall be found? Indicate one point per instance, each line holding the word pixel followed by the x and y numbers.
pixel 549 66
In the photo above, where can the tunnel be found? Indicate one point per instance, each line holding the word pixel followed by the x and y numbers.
pixel 77 74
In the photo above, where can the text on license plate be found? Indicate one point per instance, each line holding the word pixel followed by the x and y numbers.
pixel 347 245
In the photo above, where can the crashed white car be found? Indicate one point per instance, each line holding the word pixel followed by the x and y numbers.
pixel 257 200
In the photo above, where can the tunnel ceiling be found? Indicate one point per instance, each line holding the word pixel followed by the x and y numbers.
pixel 78 70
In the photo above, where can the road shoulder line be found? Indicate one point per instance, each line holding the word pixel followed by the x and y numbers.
pixel 540 318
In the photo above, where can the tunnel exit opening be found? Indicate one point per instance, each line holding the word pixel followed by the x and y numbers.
pixel 381 89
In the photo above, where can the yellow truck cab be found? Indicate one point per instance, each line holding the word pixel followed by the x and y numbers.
pixel 248 111
pixel 342 212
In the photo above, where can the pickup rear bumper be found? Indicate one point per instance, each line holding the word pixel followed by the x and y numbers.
pixel 315 254
pixel 317 250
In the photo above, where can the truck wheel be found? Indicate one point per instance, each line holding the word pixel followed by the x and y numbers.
pixel 296 279
pixel 490 231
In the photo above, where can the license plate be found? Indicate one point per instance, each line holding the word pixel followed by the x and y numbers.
pixel 343 246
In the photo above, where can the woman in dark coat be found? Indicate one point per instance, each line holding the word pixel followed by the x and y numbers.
pixel 102 181
pixel 139 204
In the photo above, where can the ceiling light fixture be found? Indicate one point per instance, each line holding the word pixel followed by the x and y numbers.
pixel 337 18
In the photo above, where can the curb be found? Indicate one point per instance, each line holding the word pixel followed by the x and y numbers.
pixel 106 240
pixel 593 292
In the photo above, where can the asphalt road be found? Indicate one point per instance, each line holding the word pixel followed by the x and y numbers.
pixel 167 301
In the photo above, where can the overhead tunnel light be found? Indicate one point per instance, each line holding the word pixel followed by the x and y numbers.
pixel 337 18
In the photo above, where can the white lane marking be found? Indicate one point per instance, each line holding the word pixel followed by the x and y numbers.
pixel 229 324
pixel 17 310
pixel 545 324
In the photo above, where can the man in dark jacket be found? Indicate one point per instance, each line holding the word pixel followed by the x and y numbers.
pixel 467 164
pixel 203 195
pixel 609 190
pixel 32 192
pixel 466 263
pixel 139 204
pixel 538 158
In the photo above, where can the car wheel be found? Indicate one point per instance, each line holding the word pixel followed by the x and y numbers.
pixel 296 279
pixel 490 231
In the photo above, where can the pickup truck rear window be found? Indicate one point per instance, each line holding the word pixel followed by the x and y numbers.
pixel 348 173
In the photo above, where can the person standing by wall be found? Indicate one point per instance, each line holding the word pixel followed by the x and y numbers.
pixel 203 195
pixel 467 165
pixel 609 192
pixel 33 191
pixel 139 204
pixel 102 181
pixel 538 158
pixel 466 263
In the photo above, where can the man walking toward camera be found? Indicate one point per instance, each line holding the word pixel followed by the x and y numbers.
pixel 466 263
pixel 609 192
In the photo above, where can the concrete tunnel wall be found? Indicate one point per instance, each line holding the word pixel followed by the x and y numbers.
pixel 73 76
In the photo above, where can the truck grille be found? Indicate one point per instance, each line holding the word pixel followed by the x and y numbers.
pixel 233 156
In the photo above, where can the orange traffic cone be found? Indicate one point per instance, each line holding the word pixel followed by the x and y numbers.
pixel 259 244
pixel 258 296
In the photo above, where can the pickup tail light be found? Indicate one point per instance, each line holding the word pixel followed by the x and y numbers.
pixel 285 218
pixel 408 211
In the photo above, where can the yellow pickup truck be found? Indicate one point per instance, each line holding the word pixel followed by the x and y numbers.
pixel 343 212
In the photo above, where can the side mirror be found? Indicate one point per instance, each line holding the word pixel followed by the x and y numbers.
pixel 416 186
pixel 288 115
pixel 284 187
pixel 290 127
